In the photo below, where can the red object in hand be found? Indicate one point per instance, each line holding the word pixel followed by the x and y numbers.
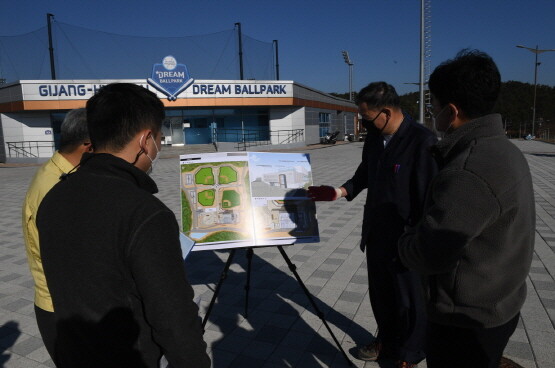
pixel 322 193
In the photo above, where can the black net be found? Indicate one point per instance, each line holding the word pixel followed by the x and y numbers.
pixel 81 53
pixel 25 56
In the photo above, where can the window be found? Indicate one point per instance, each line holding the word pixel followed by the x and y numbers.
pixel 324 120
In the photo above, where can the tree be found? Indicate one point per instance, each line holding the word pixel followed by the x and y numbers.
pixel 515 106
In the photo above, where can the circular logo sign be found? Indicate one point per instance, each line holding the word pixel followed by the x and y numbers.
pixel 169 63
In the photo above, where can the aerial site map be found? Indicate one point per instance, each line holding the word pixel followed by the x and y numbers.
pixel 244 199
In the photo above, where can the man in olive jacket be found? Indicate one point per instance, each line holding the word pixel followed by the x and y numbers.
pixel 475 241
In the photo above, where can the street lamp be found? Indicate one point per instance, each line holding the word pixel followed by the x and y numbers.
pixel 535 51
pixel 349 62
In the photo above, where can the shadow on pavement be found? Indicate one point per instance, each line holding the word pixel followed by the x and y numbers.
pixel 274 326
pixel 9 332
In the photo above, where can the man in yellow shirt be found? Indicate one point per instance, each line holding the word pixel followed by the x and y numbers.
pixel 74 141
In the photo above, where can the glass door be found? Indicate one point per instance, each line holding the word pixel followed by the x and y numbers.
pixel 176 126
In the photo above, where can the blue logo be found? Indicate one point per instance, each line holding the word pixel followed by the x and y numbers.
pixel 170 78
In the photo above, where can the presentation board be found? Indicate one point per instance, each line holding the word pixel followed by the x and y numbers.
pixel 245 199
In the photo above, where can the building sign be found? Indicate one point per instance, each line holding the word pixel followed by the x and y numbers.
pixel 240 89
pixel 84 89
pixel 170 78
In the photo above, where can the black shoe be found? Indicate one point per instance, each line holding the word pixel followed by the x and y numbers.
pixel 370 352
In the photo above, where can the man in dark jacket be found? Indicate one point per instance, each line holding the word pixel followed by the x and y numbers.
pixel 476 238
pixel 111 251
pixel 396 168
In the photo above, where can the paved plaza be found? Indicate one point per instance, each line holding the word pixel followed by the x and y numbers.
pixel 282 329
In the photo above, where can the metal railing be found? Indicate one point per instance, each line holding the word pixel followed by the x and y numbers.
pixel 289 136
pixel 246 138
pixel 29 148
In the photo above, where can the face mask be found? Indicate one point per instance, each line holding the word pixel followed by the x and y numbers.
pixel 153 160
pixel 436 127
pixel 369 124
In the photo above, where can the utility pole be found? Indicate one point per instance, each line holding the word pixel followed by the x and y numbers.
pixel 50 48
pixel 240 50
pixel 277 58
pixel 425 55
pixel 536 64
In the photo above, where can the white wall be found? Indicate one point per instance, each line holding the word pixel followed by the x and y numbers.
pixel 28 126
pixel 286 118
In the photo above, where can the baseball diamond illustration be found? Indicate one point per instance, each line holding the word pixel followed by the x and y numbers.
pixel 227 175
pixel 205 176
pixel 230 198
pixel 206 197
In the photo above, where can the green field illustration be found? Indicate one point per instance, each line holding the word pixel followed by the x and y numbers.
pixel 205 176
pixel 206 197
pixel 224 236
pixel 215 206
pixel 227 175
pixel 230 199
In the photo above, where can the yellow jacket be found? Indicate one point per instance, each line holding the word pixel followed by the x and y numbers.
pixel 45 178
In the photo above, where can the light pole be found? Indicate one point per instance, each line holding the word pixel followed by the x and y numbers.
pixel 349 62
pixel 50 48
pixel 535 51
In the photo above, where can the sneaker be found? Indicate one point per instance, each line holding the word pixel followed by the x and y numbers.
pixel 370 352
pixel 401 364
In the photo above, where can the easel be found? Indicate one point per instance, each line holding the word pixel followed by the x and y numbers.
pixel 293 269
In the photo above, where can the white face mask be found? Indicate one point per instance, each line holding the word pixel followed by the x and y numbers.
pixel 152 160
pixel 436 127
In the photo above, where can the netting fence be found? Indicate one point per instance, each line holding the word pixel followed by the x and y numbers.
pixel 81 53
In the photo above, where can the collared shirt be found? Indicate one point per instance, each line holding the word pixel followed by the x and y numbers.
pixel 386 139
pixel 45 178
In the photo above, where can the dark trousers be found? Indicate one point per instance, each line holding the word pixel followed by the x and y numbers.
pixel 399 308
pixel 47 328
pixel 456 347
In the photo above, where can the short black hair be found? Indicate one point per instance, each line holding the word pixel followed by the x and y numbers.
pixel 74 131
pixel 118 111
pixel 471 81
pixel 378 95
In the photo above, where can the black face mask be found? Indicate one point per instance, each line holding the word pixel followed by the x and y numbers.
pixel 369 124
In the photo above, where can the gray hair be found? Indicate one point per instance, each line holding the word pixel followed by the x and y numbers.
pixel 74 131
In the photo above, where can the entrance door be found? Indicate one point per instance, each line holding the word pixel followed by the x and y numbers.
pixel 176 130
pixel 199 132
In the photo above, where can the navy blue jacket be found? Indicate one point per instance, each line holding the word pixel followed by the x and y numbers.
pixel 397 179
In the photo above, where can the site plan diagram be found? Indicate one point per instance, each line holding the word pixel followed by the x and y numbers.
pixel 243 199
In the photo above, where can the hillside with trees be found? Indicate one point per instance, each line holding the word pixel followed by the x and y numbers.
pixel 515 106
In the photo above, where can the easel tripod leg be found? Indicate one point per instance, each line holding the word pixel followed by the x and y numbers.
pixel 247 285
pixel 223 276
pixel 319 313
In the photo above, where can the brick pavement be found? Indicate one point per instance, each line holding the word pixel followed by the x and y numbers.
pixel 282 329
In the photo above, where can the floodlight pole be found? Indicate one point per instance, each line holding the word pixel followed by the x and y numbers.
pixel 536 64
pixel 349 62
pixel 422 61
pixel 50 48
pixel 240 50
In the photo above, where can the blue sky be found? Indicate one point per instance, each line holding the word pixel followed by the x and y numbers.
pixel 381 36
